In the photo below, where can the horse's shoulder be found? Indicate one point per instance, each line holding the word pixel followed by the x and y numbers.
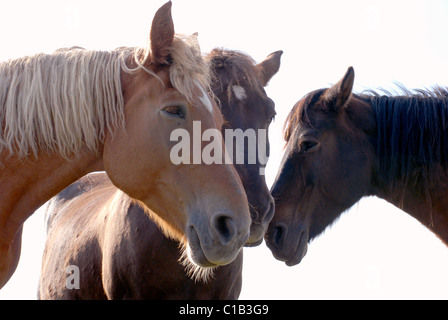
pixel 79 192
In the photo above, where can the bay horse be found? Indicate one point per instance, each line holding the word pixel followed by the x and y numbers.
pixel 72 112
pixel 342 146
pixel 120 252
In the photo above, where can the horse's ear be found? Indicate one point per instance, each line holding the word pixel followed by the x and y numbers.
pixel 162 34
pixel 338 95
pixel 269 66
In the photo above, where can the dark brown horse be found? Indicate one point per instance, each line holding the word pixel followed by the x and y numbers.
pixel 343 146
pixel 120 252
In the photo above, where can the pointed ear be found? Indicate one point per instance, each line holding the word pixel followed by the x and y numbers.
pixel 162 34
pixel 269 66
pixel 338 95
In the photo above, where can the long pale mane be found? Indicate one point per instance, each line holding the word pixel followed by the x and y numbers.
pixel 68 100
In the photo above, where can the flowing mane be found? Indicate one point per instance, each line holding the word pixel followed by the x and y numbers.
pixel 412 136
pixel 68 100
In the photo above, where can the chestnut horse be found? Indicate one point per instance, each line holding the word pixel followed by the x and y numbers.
pixel 343 146
pixel 128 257
pixel 66 114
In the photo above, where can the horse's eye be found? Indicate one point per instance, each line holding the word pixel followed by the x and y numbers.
pixel 307 146
pixel 174 111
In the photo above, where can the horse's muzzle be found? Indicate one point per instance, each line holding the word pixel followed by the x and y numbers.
pixel 287 245
pixel 218 246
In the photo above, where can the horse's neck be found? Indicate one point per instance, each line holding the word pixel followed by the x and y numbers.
pixel 26 184
pixel 411 172
pixel 432 212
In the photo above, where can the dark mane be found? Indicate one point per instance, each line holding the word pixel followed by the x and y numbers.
pixel 412 135
pixel 228 66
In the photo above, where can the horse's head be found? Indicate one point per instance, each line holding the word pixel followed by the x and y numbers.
pixel 326 168
pixel 165 99
pixel 238 83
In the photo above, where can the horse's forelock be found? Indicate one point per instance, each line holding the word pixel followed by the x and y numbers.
pixel 301 113
pixel 188 67
pixel 239 70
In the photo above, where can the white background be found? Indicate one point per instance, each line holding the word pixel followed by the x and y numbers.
pixel 375 250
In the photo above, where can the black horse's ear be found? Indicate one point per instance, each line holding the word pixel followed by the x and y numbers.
pixel 338 95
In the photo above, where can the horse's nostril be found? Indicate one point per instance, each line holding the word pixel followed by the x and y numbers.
pixel 225 226
pixel 269 213
pixel 278 235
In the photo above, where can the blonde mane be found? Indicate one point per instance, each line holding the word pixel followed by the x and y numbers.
pixel 68 100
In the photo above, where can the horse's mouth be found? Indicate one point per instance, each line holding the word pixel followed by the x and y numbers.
pixel 196 253
pixel 250 244
pixel 300 252
pixel 256 236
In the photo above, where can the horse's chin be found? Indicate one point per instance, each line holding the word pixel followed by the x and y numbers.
pixel 195 252
pixel 250 244
pixel 256 235
pixel 193 270
pixel 300 252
